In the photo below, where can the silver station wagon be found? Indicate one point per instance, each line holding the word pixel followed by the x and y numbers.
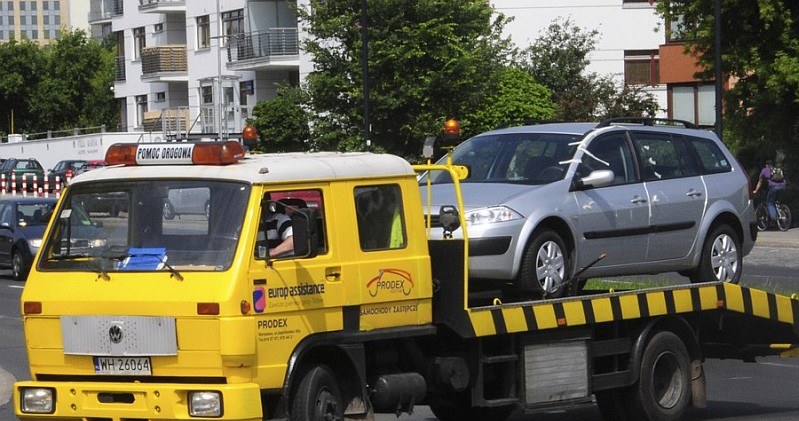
pixel 550 205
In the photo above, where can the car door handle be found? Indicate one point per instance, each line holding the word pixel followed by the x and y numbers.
pixel 693 193
pixel 333 273
pixel 638 200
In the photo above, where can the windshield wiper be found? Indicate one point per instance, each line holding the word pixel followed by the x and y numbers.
pixel 97 262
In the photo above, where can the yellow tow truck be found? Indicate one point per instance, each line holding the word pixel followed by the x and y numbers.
pixel 177 306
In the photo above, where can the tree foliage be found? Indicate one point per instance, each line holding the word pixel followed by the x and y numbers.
pixel 428 60
pixel 558 58
pixel 760 58
pixel 283 122
pixel 64 85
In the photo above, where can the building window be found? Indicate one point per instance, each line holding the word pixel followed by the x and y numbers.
pixel 160 96
pixel 203 32
pixel 158 27
pixel 694 103
pixel 139 42
pixel 207 94
pixel 641 67
pixel 233 22
pixel 141 109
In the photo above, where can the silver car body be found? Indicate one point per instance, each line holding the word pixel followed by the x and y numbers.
pixel 642 226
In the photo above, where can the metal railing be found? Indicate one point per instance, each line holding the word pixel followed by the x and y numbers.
pixel 108 10
pixel 152 4
pixel 163 58
pixel 50 134
pixel 119 69
pixel 272 42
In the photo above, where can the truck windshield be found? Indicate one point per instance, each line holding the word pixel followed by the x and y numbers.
pixel 186 225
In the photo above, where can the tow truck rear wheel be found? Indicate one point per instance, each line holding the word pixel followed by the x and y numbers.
pixel 318 397
pixel 457 407
pixel 663 390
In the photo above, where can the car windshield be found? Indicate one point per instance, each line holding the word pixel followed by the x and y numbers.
pixel 33 214
pixel 186 225
pixel 525 158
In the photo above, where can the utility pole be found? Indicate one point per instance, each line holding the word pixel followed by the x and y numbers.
pixel 365 74
pixel 717 65
pixel 218 96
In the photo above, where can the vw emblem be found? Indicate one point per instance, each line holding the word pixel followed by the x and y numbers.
pixel 115 333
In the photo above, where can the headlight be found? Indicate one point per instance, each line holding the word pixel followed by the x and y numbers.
pixel 205 404
pixel 97 242
pixel 491 215
pixel 37 401
pixel 35 242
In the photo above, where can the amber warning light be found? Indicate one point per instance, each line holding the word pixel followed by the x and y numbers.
pixel 203 153
pixel 452 129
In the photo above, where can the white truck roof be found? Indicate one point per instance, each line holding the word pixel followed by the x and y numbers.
pixel 267 168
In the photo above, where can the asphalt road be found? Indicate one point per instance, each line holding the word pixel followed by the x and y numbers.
pixel 767 390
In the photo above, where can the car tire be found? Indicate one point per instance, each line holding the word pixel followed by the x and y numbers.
pixel 317 397
pixel 20 267
pixel 207 209
pixel 546 266
pixel 721 259
pixel 169 211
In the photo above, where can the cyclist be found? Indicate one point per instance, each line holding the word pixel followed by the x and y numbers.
pixel 773 186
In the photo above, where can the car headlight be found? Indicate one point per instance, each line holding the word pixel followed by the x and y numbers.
pixel 491 215
pixel 35 242
pixel 205 404
pixel 37 400
pixel 97 242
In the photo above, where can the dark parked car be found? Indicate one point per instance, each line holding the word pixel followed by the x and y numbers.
pixel 66 169
pixel 21 230
pixel 22 168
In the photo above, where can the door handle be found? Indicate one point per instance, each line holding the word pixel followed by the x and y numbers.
pixel 333 273
pixel 693 193
pixel 638 200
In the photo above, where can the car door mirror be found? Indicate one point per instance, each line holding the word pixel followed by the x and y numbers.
pixel 6 225
pixel 305 231
pixel 596 179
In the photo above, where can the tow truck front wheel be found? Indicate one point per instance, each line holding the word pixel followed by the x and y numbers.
pixel 318 397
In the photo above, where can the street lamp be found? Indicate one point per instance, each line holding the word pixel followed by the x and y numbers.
pixel 717 64
pixel 365 74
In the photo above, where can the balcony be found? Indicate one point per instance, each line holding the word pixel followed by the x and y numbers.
pixel 164 63
pixel 107 11
pixel 119 70
pixel 162 6
pixel 271 49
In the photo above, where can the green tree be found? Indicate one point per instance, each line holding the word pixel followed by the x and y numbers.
pixel 283 122
pixel 76 90
pixel 428 60
pixel 559 59
pixel 760 58
pixel 22 67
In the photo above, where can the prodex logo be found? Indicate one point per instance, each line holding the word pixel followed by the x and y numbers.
pixel 391 281
pixel 115 333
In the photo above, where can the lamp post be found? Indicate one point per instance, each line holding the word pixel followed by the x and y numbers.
pixel 717 65
pixel 365 74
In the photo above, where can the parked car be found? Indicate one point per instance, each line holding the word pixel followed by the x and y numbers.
pixel 188 201
pixel 550 205
pixel 21 228
pixel 65 170
pixel 29 169
pixel 91 164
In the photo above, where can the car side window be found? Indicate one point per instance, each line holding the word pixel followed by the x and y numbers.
pixel 662 156
pixel 5 215
pixel 711 158
pixel 275 231
pixel 610 152
pixel 380 222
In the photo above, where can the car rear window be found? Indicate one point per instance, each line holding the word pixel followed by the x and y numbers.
pixel 711 158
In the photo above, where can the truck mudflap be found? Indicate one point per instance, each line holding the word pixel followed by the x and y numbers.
pixel 152 401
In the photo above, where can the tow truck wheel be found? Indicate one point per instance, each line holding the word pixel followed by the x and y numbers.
pixel 663 390
pixel 545 267
pixel 457 407
pixel 317 398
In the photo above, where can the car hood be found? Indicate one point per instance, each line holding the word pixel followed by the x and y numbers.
pixel 31 232
pixel 476 195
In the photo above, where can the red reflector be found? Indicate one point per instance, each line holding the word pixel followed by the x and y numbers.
pixel 720 303
pixel 121 154
pixel 32 307
pixel 245 307
pixel 208 309
pixel 214 153
pixel 561 322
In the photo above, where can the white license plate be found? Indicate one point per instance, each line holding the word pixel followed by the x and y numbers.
pixel 122 366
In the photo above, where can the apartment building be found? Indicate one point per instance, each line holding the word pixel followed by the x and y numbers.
pixel 40 20
pixel 201 65
pixel 197 66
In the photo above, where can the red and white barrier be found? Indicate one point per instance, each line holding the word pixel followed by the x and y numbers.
pixel 3 184
pixel 13 183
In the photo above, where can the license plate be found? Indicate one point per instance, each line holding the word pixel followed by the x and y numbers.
pixel 122 366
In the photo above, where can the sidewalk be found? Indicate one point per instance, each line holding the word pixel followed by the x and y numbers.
pixel 776 238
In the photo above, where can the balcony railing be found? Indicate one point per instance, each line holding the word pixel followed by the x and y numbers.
pixel 108 10
pixel 163 58
pixel 162 5
pixel 263 44
pixel 119 71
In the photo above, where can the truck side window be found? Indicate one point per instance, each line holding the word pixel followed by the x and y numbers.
pixel 275 232
pixel 380 221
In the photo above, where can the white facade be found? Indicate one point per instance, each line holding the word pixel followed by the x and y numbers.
pixel 623 25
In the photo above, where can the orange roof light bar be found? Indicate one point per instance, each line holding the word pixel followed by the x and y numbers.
pixel 202 153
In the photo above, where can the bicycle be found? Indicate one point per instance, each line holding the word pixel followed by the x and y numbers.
pixel 783 216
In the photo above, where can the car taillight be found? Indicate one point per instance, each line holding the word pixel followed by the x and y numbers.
pixel 68 174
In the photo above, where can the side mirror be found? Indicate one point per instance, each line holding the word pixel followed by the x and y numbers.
pixel 306 231
pixel 5 225
pixel 597 178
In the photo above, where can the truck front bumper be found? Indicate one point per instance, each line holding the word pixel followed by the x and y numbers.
pixel 151 401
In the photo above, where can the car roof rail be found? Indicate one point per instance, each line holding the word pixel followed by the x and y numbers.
pixel 647 121
pixel 525 122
